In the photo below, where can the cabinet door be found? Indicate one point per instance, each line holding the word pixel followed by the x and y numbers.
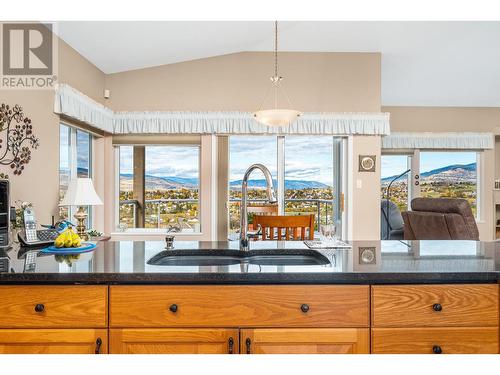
pixel 305 341
pixel 173 341
pixel 53 341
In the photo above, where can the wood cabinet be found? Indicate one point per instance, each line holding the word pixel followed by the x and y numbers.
pixel 53 306
pixel 53 341
pixel 240 306
pixel 174 341
pixel 255 319
pixel 305 341
pixel 435 306
pixel 435 319
pixel 470 340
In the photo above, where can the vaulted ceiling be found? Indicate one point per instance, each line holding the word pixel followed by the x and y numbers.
pixel 423 63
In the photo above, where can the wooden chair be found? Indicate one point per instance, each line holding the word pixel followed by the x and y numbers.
pixel 262 209
pixel 294 227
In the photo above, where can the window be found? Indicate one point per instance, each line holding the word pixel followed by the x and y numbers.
pixel 159 187
pixel 308 166
pixel 75 160
pixel 309 177
pixel 438 174
pixel 392 167
pixel 243 152
pixel 449 175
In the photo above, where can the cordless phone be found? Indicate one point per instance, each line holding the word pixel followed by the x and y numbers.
pixel 32 236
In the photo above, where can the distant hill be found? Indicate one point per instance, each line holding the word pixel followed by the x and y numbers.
pixel 451 173
pixel 159 183
pixel 289 184
pixel 171 182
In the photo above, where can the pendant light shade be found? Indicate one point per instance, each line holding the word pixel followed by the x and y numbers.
pixel 276 116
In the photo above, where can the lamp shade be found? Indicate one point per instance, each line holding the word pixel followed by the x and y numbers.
pixel 277 117
pixel 81 192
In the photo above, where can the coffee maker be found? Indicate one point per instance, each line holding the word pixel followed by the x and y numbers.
pixel 4 213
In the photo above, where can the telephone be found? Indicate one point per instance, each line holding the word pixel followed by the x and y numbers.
pixel 32 236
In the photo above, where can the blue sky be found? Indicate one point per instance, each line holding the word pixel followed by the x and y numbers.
pixel 396 164
pixel 307 158
pixel 161 161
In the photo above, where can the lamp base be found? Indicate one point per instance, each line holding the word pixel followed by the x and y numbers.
pixel 80 216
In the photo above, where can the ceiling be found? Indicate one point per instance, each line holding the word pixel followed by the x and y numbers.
pixel 423 63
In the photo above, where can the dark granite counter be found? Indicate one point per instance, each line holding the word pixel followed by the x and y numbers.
pixel 367 262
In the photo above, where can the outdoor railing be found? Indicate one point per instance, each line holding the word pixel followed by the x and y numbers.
pixel 321 207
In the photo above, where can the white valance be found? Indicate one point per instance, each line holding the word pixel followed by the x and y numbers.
pixel 74 104
pixel 243 123
pixel 464 141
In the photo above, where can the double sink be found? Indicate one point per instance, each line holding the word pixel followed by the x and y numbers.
pixel 218 257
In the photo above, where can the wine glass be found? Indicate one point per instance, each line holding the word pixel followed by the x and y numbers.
pixel 327 233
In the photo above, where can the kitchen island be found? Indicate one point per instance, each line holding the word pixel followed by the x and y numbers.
pixel 137 297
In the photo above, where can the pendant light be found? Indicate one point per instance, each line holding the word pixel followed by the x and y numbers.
pixel 276 116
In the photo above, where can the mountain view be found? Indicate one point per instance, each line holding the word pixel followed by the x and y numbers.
pixel 172 182
pixel 450 173
pixel 452 181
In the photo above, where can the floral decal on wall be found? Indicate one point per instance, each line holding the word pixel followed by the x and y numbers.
pixel 16 138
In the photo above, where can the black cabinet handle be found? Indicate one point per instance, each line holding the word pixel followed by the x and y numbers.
pixel 230 344
pixel 437 307
pixel 98 344
pixel 39 307
pixel 304 307
pixel 173 308
pixel 248 343
pixel 436 349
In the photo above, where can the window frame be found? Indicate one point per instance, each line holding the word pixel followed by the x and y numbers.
pixel 414 190
pixel 339 177
pixel 152 231
pixel 73 163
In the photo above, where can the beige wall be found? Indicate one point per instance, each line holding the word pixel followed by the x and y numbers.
pixel 314 81
pixel 39 182
pixel 454 119
pixel 363 199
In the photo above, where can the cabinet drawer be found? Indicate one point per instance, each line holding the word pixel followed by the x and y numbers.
pixel 53 341
pixel 473 340
pixel 435 306
pixel 53 306
pixel 239 306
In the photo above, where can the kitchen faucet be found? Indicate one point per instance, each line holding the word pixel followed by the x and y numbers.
pixel 271 197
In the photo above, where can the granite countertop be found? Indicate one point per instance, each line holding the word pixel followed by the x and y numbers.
pixel 367 262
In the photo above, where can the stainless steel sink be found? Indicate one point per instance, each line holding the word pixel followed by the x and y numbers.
pixel 230 257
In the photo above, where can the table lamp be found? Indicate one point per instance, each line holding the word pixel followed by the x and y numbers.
pixel 81 193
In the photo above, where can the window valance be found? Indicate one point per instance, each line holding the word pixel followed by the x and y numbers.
pixel 74 104
pixel 464 141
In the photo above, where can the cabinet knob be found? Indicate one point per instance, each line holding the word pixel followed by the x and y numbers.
pixel 437 307
pixel 39 307
pixel 173 307
pixel 436 349
pixel 304 307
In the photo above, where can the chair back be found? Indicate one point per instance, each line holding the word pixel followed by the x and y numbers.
pixel 300 227
pixel 440 219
